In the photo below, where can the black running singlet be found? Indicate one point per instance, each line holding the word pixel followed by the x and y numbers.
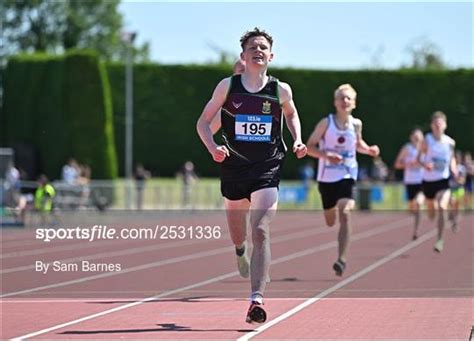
pixel 252 127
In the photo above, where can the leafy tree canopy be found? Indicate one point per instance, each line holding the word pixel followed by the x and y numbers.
pixel 54 26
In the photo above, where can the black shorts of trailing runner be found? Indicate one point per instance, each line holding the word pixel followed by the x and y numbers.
pixel 331 192
pixel 240 182
pixel 413 190
pixel 430 188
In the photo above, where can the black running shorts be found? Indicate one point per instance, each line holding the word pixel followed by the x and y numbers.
pixel 331 192
pixel 236 190
pixel 412 190
pixel 430 188
pixel 239 182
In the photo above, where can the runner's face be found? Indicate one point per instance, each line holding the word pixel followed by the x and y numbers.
pixel 257 52
pixel 438 125
pixel 416 137
pixel 345 101
pixel 239 67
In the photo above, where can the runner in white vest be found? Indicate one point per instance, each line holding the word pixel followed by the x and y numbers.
pixel 437 157
pixel 407 160
pixel 339 137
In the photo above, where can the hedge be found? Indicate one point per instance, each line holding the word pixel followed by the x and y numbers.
pixel 59 107
pixel 169 99
pixel 63 107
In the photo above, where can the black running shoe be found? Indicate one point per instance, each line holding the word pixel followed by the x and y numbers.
pixel 256 314
pixel 339 267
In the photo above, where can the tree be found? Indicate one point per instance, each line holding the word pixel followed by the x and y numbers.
pixel 376 57
pixel 425 55
pixel 54 26
pixel 226 58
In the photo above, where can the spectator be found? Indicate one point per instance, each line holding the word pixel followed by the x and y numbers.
pixel 83 181
pixel 363 175
pixel 306 175
pixel 12 185
pixel 140 176
pixel 44 197
pixel 71 172
pixel 379 169
pixel 189 176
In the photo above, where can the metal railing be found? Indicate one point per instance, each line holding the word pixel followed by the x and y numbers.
pixel 202 194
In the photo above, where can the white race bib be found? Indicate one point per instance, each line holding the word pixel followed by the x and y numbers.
pixel 253 128
pixel 439 164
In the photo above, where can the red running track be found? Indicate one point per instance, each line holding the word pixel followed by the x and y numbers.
pixel 393 288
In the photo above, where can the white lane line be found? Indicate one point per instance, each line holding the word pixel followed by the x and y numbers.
pixel 122 272
pixel 143 249
pixel 194 256
pixel 154 247
pixel 387 227
pixel 228 299
pixel 82 245
pixel 126 306
pixel 71 247
pixel 339 285
pixel 213 253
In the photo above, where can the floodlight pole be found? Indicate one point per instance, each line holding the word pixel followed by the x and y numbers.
pixel 129 37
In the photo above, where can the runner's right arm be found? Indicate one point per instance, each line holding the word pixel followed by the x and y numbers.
pixel 400 160
pixel 204 123
pixel 313 141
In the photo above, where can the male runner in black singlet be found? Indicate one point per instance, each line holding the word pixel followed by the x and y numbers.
pixel 251 155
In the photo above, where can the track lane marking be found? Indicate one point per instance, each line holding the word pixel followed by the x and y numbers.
pixel 382 229
pixel 339 285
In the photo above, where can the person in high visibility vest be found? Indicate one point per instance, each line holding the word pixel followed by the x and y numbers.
pixel 44 197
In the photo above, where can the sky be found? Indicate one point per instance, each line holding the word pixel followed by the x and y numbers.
pixel 311 35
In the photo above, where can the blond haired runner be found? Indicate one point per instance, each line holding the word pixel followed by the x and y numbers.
pixel 252 106
pixel 335 141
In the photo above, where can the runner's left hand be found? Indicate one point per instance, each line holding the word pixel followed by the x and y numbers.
pixel 299 149
pixel 374 150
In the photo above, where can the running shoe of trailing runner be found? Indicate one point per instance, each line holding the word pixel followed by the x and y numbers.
pixel 243 263
pixel 339 267
pixel 439 246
